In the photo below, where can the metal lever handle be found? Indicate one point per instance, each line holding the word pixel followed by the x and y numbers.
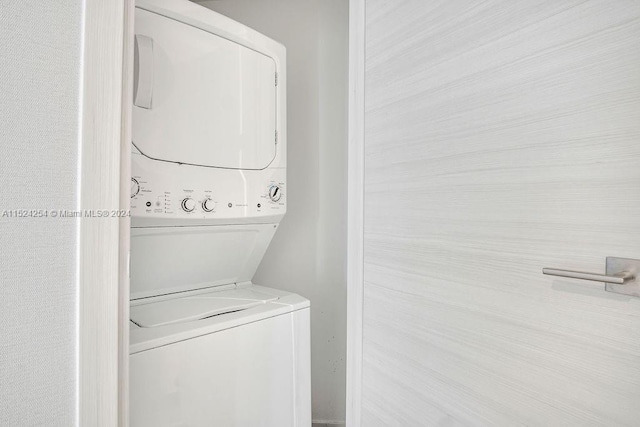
pixel 618 278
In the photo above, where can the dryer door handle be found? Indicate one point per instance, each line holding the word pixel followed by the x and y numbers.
pixel 143 71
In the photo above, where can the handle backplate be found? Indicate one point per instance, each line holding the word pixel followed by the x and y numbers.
pixel 615 266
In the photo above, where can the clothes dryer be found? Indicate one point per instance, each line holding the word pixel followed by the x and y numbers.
pixel 208 191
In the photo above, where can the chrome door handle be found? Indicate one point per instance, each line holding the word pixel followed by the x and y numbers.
pixel 621 275
pixel 619 278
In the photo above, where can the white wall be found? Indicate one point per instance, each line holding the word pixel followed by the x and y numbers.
pixel 40 46
pixel 501 137
pixel 307 255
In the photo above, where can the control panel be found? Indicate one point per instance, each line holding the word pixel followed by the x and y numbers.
pixel 167 190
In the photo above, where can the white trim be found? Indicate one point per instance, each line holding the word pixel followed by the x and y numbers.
pixel 125 201
pixel 355 255
pixel 100 351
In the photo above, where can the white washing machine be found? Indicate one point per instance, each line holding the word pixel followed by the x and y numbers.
pixel 208 190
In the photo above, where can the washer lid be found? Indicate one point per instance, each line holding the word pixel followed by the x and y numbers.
pixel 196 307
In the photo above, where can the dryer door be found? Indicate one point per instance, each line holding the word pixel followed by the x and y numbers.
pixel 201 99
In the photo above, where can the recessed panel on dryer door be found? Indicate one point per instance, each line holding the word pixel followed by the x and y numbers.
pixel 201 99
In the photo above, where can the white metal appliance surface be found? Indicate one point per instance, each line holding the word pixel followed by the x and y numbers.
pixel 244 368
pixel 208 190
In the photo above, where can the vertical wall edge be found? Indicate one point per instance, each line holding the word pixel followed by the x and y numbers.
pixel 125 223
pixel 355 235
pixel 99 264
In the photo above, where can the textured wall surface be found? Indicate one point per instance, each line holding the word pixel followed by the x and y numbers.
pixel 40 46
pixel 501 137
pixel 307 255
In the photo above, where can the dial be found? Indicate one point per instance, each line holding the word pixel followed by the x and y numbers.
pixel 275 193
pixel 208 205
pixel 188 204
pixel 135 187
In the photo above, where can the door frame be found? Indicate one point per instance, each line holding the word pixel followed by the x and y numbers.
pixel 355 222
pixel 104 245
pixel 103 272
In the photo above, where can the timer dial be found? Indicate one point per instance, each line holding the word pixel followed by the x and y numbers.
pixel 135 187
pixel 188 204
pixel 208 205
pixel 275 193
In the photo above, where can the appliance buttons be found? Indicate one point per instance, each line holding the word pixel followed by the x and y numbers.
pixel 188 204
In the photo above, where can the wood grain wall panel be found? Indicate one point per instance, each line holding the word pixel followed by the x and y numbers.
pixel 500 137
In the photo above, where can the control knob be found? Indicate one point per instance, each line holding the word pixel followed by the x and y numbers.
pixel 188 204
pixel 208 205
pixel 135 187
pixel 275 193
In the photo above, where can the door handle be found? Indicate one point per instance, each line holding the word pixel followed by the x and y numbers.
pixel 619 278
pixel 621 275
pixel 143 71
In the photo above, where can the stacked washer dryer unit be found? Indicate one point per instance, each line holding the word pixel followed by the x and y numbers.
pixel 208 189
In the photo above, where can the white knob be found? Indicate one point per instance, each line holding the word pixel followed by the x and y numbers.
pixel 275 193
pixel 135 187
pixel 188 204
pixel 208 205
